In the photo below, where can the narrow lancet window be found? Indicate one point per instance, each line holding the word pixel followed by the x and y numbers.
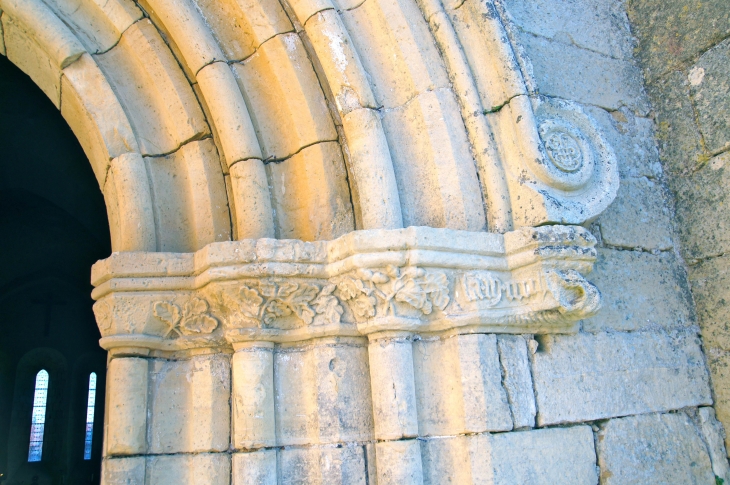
pixel 90 416
pixel 38 423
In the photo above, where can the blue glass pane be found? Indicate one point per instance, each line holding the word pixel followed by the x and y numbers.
pixel 38 420
pixel 90 416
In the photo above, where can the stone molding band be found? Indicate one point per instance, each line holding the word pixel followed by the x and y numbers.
pixel 418 280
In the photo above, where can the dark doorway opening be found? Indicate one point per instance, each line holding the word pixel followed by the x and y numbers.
pixel 53 227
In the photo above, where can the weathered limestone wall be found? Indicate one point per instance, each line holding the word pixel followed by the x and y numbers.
pixel 627 359
pixel 683 47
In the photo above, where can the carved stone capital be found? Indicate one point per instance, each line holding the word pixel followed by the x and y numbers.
pixel 418 280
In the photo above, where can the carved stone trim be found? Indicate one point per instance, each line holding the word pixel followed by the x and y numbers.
pixel 417 280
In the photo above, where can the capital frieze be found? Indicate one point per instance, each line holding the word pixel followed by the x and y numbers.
pixel 419 280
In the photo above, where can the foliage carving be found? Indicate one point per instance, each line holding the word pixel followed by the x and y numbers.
pixel 194 319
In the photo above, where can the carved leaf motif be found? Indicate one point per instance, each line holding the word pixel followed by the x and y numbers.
pixel 412 293
pixel 299 302
pixel 167 312
pixel 195 306
pixel 363 306
pixel 349 288
pixel 198 324
pixel 327 307
pixel 102 312
pixel 437 287
pixel 250 301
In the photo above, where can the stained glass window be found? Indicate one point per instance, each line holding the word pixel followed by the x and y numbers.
pixel 38 423
pixel 90 416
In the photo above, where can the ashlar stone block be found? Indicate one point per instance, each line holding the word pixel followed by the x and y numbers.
pixel 517 379
pixel 203 468
pixel 653 448
pixel 587 377
pixel 322 393
pixel 709 81
pixel 640 204
pixel 189 405
pixel 256 468
pixel 639 291
pixel 325 465
pixel 585 76
pixel 123 471
pixel 459 386
pixel 719 363
pixel 540 457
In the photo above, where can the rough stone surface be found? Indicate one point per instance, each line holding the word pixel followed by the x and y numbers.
pixel 701 198
pixel 562 70
pixel 654 448
pixel 677 134
pixel 672 32
pixel 640 290
pixel 718 361
pixel 583 377
pixel 639 205
pixel 709 81
pixel 710 280
pixel 566 22
pixel 632 140
pixel 714 435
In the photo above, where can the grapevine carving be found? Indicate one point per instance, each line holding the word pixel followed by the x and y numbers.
pixel 371 293
pixel 272 304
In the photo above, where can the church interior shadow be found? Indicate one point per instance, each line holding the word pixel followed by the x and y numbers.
pixel 53 227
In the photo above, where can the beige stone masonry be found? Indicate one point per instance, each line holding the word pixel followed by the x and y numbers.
pixel 372 183
pixel 396 49
pixel 166 115
pixel 437 178
pixel 3 51
pixel 192 36
pixel 126 407
pixel 517 379
pixel 229 113
pixel 583 377
pixel 252 199
pixel 459 386
pixel 99 26
pixel 129 471
pixel 91 108
pixel 241 26
pixel 25 53
pixel 714 436
pixel 128 197
pixel 252 400
pixel 189 409
pixel 208 468
pixel 190 177
pixel 43 26
pixel 310 195
pixel 542 457
pixel 654 448
pixel 255 468
pixel 287 105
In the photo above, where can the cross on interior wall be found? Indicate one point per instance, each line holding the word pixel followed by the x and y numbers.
pixel 48 303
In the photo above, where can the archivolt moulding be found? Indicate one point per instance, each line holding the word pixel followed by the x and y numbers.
pixel 417 280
